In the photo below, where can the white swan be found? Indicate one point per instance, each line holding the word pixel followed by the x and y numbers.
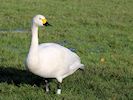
pixel 50 60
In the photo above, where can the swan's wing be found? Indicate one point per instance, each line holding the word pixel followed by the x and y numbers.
pixel 58 51
pixel 56 59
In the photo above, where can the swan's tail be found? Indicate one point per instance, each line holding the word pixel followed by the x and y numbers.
pixel 82 66
pixel 73 68
pixel 76 66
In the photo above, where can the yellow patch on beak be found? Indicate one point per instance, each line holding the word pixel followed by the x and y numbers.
pixel 44 21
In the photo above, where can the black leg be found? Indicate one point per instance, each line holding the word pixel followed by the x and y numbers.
pixel 46 85
pixel 59 88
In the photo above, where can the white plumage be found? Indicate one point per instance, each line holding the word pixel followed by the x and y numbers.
pixel 50 60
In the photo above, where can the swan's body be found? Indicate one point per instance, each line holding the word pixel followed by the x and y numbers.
pixel 50 60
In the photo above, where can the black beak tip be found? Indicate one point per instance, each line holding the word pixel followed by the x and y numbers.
pixel 47 24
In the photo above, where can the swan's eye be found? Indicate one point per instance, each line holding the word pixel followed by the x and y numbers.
pixel 40 19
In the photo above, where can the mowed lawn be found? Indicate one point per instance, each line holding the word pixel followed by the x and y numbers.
pixel 99 31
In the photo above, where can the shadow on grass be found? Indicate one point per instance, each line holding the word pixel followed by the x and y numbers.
pixel 16 76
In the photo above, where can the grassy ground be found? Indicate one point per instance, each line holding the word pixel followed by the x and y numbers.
pixel 96 29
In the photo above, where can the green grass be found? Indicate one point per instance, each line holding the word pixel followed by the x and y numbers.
pixel 94 28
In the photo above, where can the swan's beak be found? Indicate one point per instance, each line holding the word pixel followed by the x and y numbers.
pixel 45 23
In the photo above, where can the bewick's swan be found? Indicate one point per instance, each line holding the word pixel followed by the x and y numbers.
pixel 50 60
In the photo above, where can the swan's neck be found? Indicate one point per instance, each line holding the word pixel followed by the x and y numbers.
pixel 32 58
pixel 34 40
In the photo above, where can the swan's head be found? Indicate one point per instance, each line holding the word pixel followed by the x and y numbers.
pixel 40 20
